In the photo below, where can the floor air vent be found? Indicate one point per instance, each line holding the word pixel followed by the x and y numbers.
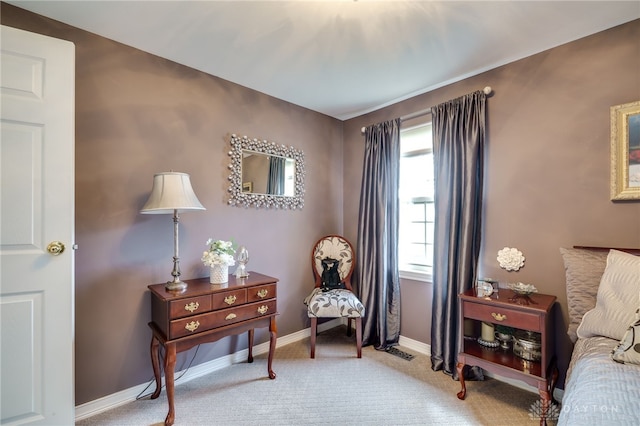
pixel 399 353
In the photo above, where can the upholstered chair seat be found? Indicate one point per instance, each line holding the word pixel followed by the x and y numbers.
pixel 333 304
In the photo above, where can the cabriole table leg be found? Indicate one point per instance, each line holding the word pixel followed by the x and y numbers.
pixel 250 339
pixel 155 362
pixel 463 392
pixel 169 366
pixel 273 333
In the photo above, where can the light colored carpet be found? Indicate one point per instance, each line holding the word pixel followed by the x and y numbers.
pixel 334 389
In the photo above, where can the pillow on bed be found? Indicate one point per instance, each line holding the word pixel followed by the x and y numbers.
pixel 617 300
pixel 583 270
pixel 628 350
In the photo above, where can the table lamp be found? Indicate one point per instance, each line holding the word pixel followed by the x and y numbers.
pixel 172 194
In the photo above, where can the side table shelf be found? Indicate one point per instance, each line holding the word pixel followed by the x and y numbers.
pixel 205 313
pixel 502 308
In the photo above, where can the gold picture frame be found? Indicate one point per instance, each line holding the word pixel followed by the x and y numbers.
pixel 625 151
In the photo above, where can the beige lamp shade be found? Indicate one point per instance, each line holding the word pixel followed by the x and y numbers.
pixel 171 191
pixel 172 194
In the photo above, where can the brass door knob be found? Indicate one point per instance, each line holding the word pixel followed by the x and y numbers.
pixel 55 248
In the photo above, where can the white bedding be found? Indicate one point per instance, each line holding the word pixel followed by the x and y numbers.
pixel 600 391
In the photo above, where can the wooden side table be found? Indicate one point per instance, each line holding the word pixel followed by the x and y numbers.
pixel 505 308
pixel 206 313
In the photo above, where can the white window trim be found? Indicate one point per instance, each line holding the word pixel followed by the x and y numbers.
pixel 416 276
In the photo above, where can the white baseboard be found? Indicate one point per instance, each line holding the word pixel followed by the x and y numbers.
pixel 420 347
pixel 126 396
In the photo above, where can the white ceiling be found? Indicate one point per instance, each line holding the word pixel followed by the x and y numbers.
pixel 341 58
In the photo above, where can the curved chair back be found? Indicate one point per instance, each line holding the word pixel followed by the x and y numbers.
pixel 334 247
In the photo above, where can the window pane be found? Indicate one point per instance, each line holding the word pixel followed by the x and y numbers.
pixel 417 232
pixel 417 254
pixel 429 255
pixel 416 212
pixel 430 231
pixel 416 194
pixel 431 212
pixel 416 177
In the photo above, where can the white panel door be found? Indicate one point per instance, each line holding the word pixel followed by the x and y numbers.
pixel 36 209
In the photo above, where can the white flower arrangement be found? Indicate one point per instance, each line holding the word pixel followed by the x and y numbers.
pixel 510 259
pixel 219 253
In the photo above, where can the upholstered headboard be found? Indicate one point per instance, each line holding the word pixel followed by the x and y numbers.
pixel 584 266
pixel 635 251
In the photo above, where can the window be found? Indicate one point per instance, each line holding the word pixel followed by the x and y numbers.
pixel 417 210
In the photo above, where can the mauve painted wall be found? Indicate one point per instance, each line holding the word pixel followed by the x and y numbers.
pixel 547 164
pixel 137 114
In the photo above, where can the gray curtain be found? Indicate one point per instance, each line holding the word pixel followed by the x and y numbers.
pixel 275 184
pixel 377 245
pixel 458 148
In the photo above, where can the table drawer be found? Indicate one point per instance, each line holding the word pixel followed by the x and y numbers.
pixel 189 306
pixel 505 316
pixel 228 299
pixel 263 292
pixel 199 323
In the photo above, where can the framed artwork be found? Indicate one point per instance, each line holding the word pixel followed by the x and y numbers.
pixel 247 186
pixel 625 151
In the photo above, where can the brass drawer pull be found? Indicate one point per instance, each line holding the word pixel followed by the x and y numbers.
pixel 263 293
pixel 498 317
pixel 231 316
pixel 191 306
pixel 263 309
pixel 230 300
pixel 192 326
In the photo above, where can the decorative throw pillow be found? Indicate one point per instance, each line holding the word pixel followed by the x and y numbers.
pixel 617 300
pixel 583 271
pixel 330 275
pixel 628 350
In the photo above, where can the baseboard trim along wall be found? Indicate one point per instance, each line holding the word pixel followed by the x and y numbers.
pixel 126 396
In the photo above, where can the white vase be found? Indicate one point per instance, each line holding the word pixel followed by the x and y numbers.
pixel 219 274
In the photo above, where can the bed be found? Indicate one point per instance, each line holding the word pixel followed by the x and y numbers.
pixel 603 297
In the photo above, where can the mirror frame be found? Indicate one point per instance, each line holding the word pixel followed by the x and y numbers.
pixel 247 199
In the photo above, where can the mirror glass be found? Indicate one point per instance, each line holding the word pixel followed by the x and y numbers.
pixel 265 174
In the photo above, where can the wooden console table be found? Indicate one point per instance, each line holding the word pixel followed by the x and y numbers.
pixel 205 313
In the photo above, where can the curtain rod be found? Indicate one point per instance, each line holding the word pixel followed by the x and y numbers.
pixel 487 90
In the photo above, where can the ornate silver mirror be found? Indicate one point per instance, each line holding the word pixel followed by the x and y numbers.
pixel 265 174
